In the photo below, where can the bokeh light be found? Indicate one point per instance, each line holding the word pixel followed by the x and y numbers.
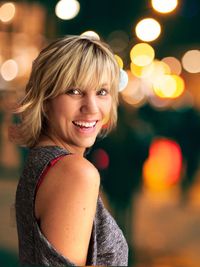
pixel 180 86
pixel 174 64
pixel 156 69
pixel 100 159
pixel 168 86
pixel 91 34
pixel 142 54
pixel 24 60
pixel 164 86
pixel 123 80
pixel 163 167
pixel 7 12
pixel 67 9
pixel 119 61
pixel 137 71
pixel 151 71
pixel 118 40
pixel 9 70
pixel 164 6
pixel 191 61
pixel 133 93
pixel 148 29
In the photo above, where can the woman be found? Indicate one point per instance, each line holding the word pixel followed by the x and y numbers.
pixel 71 95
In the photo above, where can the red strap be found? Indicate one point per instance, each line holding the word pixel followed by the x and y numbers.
pixel 51 163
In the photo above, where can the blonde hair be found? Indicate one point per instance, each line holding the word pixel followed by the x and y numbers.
pixel 72 61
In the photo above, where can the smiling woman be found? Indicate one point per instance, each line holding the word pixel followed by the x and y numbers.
pixel 61 219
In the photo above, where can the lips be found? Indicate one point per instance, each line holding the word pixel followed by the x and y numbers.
pixel 85 124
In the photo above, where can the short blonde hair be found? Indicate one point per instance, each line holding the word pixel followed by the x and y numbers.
pixel 72 61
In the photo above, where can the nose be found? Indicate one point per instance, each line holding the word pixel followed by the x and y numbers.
pixel 89 105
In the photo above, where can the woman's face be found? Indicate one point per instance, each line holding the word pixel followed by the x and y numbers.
pixel 76 117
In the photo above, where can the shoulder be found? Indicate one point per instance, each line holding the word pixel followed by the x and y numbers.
pixel 76 165
pixel 72 173
pixel 68 196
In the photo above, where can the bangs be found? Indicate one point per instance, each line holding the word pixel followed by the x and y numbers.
pixel 92 72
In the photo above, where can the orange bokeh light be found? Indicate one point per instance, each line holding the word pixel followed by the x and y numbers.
pixel 163 167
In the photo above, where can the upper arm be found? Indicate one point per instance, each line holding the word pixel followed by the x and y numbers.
pixel 66 203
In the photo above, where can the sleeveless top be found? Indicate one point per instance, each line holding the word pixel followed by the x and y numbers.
pixel 107 245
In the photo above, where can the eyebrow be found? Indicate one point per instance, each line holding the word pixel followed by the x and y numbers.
pixel 101 86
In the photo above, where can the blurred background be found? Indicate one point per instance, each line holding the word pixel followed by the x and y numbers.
pixel 149 165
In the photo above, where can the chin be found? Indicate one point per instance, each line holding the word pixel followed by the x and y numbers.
pixel 89 143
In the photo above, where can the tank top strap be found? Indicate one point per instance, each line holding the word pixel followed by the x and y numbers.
pixel 50 165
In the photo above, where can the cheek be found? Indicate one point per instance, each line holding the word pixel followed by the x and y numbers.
pixel 58 107
pixel 108 105
pixel 107 111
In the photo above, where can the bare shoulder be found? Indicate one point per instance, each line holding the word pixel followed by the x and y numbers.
pixel 69 172
pixel 66 205
pixel 78 166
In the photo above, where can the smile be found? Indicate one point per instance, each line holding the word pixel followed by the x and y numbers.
pixel 84 124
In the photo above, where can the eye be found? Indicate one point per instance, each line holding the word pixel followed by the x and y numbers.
pixel 73 92
pixel 102 92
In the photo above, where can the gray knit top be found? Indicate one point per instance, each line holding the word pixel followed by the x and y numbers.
pixel 107 245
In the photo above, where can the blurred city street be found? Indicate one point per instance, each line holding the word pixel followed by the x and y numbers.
pixel 150 164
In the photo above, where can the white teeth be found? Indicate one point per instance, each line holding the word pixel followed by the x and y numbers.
pixel 85 124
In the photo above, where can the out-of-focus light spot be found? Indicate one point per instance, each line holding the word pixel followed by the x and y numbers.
pixel 164 86
pixel 133 94
pixel 158 68
pixel 151 71
pixel 168 86
pixel 163 167
pixel 174 64
pixel 136 70
pixel 91 34
pixel 148 29
pixel 67 9
pixel 118 40
pixel 154 70
pixel 180 86
pixel 9 70
pixel 123 80
pixel 164 6
pixel 25 59
pixel 119 61
pixel 142 54
pixel 22 62
pixel 100 159
pixel 191 61
pixel 7 12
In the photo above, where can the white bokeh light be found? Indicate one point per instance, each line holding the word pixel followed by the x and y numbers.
pixel 7 12
pixel 67 9
pixel 91 34
pixel 191 61
pixel 9 70
pixel 148 29
pixel 164 6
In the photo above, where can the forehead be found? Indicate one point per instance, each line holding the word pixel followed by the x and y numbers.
pixel 94 79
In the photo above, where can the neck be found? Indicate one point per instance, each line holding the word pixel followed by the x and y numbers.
pixel 48 140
